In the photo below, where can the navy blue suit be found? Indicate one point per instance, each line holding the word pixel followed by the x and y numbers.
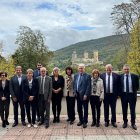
pixel 84 89
pixel 16 91
pixel 111 98
pixel 30 92
pixel 130 98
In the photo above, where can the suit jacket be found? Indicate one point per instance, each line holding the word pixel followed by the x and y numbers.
pixel 85 85
pixel 135 83
pixel 15 88
pixel 30 92
pixel 36 73
pixel 4 92
pixel 115 83
pixel 47 87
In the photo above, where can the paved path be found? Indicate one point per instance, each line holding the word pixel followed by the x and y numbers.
pixel 64 131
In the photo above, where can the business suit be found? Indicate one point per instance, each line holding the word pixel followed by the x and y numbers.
pixel 30 91
pixel 129 97
pixel 16 91
pixel 111 97
pixel 84 88
pixel 4 105
pixel 44 97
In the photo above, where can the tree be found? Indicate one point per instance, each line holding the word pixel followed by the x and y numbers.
pixel 32 48
pixel 134 54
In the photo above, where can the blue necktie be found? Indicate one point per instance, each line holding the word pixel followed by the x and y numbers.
pixel 79 82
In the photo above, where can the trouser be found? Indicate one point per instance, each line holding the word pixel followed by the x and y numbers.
pixel 110 100
pixel 70 107
pixel 95 107
pixel 44 110
pixel 4 109
pixel 22 109
pixel 31 105
pixel 56 104
pixel 129 98
pixel 82 107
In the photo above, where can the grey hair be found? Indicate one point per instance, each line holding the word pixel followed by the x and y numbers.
pixel 126 65
pixel 108 65
pixel 30 70
pixel 18 67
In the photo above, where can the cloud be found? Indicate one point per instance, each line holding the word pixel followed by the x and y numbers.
pixel 62 22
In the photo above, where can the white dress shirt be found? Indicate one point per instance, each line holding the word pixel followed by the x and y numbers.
pixel 111 82
pixel 19 79
pixel 130 82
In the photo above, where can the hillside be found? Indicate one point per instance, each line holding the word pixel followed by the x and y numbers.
pixel 108 47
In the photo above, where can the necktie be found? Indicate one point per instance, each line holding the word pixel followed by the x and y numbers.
pixel 79 82
pixel 108 88
pixel 127 84
pixel 42 85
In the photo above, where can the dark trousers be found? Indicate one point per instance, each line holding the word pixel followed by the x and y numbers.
pixel 56 104
pixel 129 98
pixel 95 107
pixel 70 107
pixel 110 100
pixel 4 109
pixel 37 111
pixel 44 109
pixel 31 105
pixel 22 109
pixel 82 107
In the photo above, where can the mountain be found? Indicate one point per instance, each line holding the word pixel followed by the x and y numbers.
pixel 108 47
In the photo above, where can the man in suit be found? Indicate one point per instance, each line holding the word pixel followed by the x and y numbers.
pixel 110 81
pixel 45 94
pixel 17 95
pixel 35 75
pixel 129 87
pixel 82 89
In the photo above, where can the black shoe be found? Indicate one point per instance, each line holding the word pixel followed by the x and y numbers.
pixel 3 124
pixel 93 124
pixel 71 122
pixel 114 125
pixel 134 126
pixel 124 125
pixel 68 120
pixel 57 119
pixel 79 124
pixel 14 124
pixel 84 125
pixel 40 123
pixel 46 126
pixel 106 124
pixel 6 122
pixel 24 123
pixel 54 120
pixel 98 124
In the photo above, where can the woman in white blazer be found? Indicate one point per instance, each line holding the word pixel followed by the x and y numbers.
pixel 97 95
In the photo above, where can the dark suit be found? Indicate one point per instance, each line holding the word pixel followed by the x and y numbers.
pixel 44 99
pixel 84 89
pixel 4 105
pixel 16 91
pixel 33 91
pixel 130 98
pixel 110 98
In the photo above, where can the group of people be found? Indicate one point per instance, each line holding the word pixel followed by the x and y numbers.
pixel 37 89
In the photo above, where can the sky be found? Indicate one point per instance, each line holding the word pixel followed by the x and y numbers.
pixel 63 22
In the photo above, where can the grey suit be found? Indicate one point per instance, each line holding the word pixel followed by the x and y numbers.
pixel 16 91
pixel 44 99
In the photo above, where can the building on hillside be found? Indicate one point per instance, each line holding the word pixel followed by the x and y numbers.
pixel 86 60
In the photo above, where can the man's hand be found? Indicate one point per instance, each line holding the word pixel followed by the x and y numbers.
pixel 14 99
pixel 3 98
pixel 31 98
pixel 85 97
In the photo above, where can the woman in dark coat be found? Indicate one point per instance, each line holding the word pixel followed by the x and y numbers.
pixel 30 94
pixel 57 94
pixel 4 99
